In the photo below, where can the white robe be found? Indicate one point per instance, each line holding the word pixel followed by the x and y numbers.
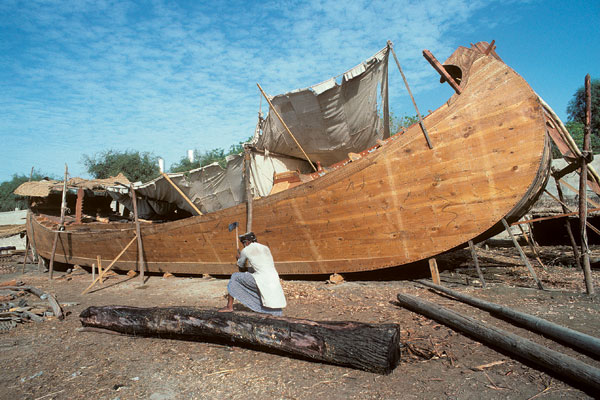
pixel 262 268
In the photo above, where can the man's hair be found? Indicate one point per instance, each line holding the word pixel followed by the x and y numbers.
pixel 248 237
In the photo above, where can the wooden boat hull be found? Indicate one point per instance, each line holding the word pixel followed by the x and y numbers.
pixel 400 203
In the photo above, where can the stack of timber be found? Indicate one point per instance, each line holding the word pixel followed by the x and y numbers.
pixel 399 202
pixel 369 347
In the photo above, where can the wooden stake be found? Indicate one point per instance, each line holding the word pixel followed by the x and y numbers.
pixel 61 225
pixel 286 127
pixel 421 122
pixel 101 275
pixel 568 224
pixel 138 234
pixel 181 193
pixel 474 255
pixel 100 268
pixel 435 274
pixel 585 250
pixel 523 256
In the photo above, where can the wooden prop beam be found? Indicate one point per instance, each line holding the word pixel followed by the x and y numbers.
pixel 568 224
pixel 61 225
pixel 586 343
pixel 520 348
pixel 523 256
pixel 532 247
pixel 585 250
pixel 421 122
pixel 26 253
pixel 286 127
pixel 433 268
pixel 566 214
pixel 370 347
pixel 138 234
pixel 592 227
pixel 181 193
pixel 101 274
pixel 476 261
pixel 441 70
pixel 592 202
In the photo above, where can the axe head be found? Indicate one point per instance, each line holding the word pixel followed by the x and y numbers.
pixel 232 226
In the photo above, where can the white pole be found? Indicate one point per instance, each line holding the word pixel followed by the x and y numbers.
pixel 161 165
pixel 191 155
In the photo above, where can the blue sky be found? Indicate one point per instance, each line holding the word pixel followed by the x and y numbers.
pixel 80 77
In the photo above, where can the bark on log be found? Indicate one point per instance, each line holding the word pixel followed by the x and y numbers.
pixel 558 363
pixel 370 347
pixel 585 343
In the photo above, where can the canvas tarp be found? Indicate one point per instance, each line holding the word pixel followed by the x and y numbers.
pixel 210 188
pixel 329 120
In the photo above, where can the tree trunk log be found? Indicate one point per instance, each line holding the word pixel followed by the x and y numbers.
pixel 585 343
pixel 558 363
pixel 370 347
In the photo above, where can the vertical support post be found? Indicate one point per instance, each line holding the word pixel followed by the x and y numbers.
pixel 79 206
pixel 247 165
pixel 100 269
pixel 585 250
pixel 93 272
pixel 568 224
pixel 435 274
pixel 61 225
pixel 474 255
pixel 139 234
pixel 523 256
pixel 26 253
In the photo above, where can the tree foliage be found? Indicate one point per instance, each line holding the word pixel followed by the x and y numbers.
pixel 398 124
pixel 577 129
pixel 205 158
pixel 135 165
pixel 8 200
pixel 576 107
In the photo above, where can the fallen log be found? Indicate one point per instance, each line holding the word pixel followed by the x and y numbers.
pixel 558 363
pixel 586 343
pixel 370 347
pixel 56 308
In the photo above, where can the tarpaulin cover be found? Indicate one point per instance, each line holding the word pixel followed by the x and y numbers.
pixel 329 120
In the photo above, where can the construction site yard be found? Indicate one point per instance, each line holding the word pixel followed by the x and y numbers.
pixel 55 360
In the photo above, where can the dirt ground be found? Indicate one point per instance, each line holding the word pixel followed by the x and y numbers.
pixel 53 360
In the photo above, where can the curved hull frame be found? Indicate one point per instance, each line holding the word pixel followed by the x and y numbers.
pixel 399 203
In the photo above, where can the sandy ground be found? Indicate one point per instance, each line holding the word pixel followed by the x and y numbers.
pixel 53 360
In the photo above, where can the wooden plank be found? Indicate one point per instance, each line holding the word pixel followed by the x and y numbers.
pixel 435 274
pixel 520 348
pixel 181 193
pixel 101 274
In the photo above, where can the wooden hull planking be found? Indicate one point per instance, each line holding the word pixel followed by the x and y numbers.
pixel 398 204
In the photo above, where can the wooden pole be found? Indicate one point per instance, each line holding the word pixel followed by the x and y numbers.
pixel 286 127
pixel 249 199
pixel 138 234
pixel 181 193
pixel 532 247
pixel 568 225
pixel 586 343
pixel 61 225
pixel 26 253
pixel 523 256
pixel 421 122
pixel 476 261
pixel 592 227
pixel 519 347
pixel 99 268
pixel 585 250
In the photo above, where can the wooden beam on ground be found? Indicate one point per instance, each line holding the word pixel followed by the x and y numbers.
pixel 435 274
pixel 181 193
pixel 101 274
pixel 586 343
pixel 476 261
pixel 520 348
pixel 369 347
pixel 138 234
pixel 523 256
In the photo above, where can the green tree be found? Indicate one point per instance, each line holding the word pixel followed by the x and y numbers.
pixel 576 107
pixel 205 158
pixel 398 124
pixel 135 165
pixel 576 129
pixel 8 200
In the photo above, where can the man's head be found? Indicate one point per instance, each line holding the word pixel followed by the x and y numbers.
pixel 247 238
